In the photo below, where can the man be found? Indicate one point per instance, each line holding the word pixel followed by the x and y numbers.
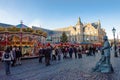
pixel 47 54
pixel 75 51
pixel 70 51
pixel 40 54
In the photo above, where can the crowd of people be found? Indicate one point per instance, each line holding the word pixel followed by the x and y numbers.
pixel 47 53
pixel 58 52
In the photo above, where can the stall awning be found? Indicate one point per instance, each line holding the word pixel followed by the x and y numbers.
pixel 85 43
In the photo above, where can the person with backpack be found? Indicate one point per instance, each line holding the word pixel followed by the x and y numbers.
pixel 6 58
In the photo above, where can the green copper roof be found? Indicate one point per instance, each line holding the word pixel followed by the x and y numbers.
pixel 21 26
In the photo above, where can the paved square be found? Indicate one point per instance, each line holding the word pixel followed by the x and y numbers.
pixel 68 69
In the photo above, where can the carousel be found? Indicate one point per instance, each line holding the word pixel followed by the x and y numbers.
pixel 23 37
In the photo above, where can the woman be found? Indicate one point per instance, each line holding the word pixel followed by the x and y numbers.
pixel 7 57
pixel 14 56
pixel 18 56
pixel 79 51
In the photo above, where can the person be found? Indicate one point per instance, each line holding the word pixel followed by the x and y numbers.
pixel 65 52
pixel 104 65
pixel 6 58
pixel 47 55
pixel 54 53
pixel 59 52
pixel 18 56
pixel 94 50
pixel 79 51
pixel 40 54
pixel 75 51
pixel 70 51
pixel 14 56
pixel 119 49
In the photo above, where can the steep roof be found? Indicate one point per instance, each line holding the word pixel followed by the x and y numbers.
pixel 96 25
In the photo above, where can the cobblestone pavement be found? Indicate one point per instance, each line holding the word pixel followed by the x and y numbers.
pixel 69 69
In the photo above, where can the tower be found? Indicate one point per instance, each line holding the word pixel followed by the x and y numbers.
pixel 79 30
pixel 79 22
pixel 79 25
pixel 99 24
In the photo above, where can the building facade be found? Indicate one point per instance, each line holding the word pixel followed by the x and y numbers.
pixel 90 32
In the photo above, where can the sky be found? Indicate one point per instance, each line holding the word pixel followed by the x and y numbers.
pixel 52 14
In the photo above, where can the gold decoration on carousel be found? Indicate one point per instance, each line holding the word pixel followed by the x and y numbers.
pixel 2 29
pixel 39 32
pixel 13 29
pixel 27 30
pixel 44 34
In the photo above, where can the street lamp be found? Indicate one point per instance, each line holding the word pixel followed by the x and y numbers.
pixel 115 53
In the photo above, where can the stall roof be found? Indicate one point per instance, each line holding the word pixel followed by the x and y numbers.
pixel 85 43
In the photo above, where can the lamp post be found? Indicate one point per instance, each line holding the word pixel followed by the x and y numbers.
pixel 115 53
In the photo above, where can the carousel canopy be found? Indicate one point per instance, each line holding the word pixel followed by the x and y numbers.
pixel 21 26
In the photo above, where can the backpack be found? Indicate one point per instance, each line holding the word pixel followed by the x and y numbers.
pixel 6 55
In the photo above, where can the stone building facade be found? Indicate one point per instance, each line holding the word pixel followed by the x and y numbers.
pixel 90 32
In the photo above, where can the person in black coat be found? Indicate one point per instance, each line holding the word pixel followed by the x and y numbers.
pixel 75 51
pixel 18 56
pixel 47 55
pixel 40 55
pixel 70 51
pixel 79 51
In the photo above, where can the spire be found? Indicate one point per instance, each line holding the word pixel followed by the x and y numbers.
pixel 21 22
pixel 79 21
pixel 99 24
